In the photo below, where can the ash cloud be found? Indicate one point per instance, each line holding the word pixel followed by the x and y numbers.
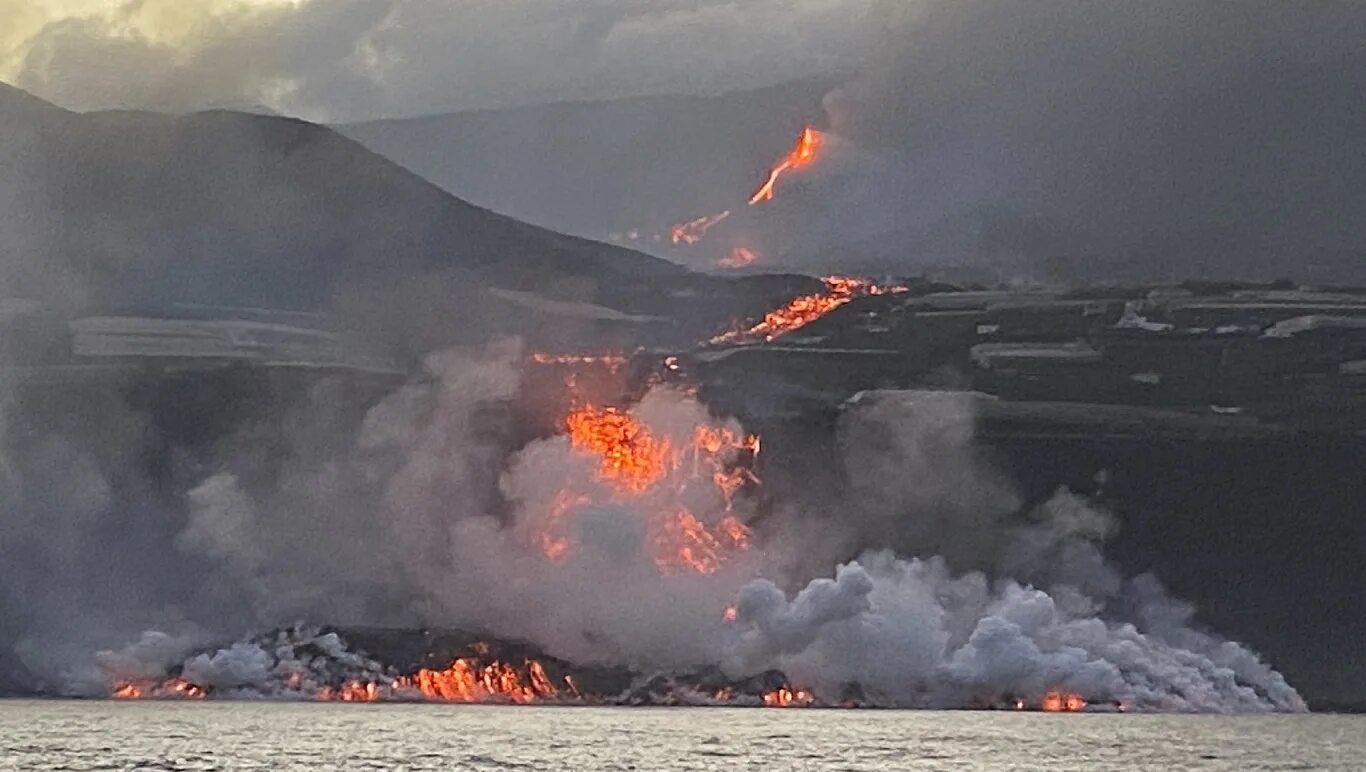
pixel 418 514
pixel 1111 140
pixel 371 58
pixel 1057 141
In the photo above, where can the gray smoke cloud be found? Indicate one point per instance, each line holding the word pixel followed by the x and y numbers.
pixel 1060 141
pixel 1027 606
pixel 369 58
pixel 1069 140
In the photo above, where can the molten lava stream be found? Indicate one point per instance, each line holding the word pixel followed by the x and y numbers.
pixel 808 144
pixel 805 309
pixel 468 680
pixel 787 697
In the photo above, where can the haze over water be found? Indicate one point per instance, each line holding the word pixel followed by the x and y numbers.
pixel 48 735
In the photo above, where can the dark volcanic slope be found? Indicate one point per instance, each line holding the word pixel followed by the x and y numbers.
pixel 602 167
pixel 231 207
pixel 140 209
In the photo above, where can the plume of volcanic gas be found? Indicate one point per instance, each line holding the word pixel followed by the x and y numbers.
pixel 621 509
pixel 627 537
pixel 1042 621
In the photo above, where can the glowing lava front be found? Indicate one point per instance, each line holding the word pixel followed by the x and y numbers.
pixel 468 679
pixel 170 689
pixel 803 310
pixel 1062 702
pixel 788 697
pixel 650 470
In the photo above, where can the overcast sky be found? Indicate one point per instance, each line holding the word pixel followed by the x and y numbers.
pixel 356 59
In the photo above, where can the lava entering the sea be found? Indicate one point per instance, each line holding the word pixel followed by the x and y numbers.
pixel 787 697
pixel 1062 702
pixel 171 688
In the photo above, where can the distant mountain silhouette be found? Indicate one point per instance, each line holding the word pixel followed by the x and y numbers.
pixel 598 168
pixel 132 209
pixel 1249 173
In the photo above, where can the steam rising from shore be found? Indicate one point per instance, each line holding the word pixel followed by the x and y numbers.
pixel 419 517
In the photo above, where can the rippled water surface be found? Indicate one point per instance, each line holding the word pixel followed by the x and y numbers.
pixel 229 736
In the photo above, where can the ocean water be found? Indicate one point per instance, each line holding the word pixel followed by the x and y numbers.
pixel 56 735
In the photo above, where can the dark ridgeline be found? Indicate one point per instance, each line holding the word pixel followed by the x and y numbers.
pixel 1094 141
pixel 597 168
pixel 139 212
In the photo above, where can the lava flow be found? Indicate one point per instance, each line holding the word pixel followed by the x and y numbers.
pixel 803 153
pixel 803 310
pixel 171 688
pixel 470 680
pixel 1062 702
pixel 787 697
pixel 609 361
pixel 692 231
pixel 650 470
pixel 738 258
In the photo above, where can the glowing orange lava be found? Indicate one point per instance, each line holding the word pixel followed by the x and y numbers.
pixel 170 689
pixel 808 144
pixel 630 457
pixel 651 470
pixel 468 679
pixel 692 231
pixel 788 697
pixel 1062 702
pixel 738 258
pixel 803 310
pixel 352 691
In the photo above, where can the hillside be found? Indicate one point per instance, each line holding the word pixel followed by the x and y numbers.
pixel 1225 177
pixel 598 168
pixel 135 210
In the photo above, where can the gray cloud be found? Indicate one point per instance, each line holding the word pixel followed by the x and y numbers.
pixel 1154 137
pixel 358 59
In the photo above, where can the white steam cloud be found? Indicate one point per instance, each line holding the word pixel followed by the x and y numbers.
pixel 1028 604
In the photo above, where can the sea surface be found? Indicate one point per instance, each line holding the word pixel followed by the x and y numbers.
pixel 57 735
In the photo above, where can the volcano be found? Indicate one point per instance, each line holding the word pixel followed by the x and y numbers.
pixel 142 211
